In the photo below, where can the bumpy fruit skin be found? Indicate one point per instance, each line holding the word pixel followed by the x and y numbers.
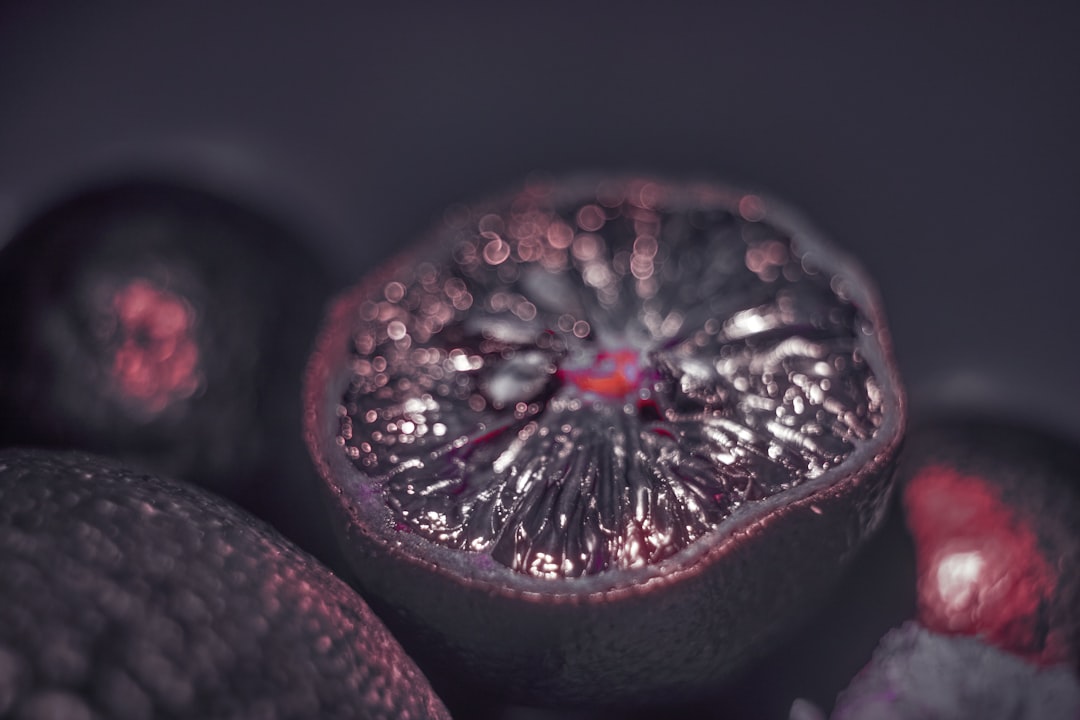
pixel 127 596
pixel 993 511
pixel 917 674
pixel 680 628
pixel 167 325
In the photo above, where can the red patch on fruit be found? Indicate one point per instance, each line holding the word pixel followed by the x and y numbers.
pixel 980 570
pixel 613 374
pixel 157 358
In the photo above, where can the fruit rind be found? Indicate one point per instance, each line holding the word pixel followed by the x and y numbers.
pixel 132 587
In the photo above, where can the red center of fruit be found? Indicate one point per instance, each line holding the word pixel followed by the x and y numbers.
pixel 613 374
pixel 157 360
pixel 980 569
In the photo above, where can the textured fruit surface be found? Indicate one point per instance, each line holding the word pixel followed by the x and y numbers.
pixel 598 385
pixel 993 511
pixel 622 430
pixel 126 596
pixel 917 674
pixel 166 325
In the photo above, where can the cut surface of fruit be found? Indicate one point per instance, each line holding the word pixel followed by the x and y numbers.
pixel 590 383
pixel 128 596
pixel 585 401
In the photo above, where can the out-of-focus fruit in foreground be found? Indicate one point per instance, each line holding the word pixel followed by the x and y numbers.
pixel 167 325
pixel 993 509
pixel 602 441
pixel 918 674
pixel 126 596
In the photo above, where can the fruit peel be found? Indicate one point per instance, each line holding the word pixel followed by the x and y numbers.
pixel 127 595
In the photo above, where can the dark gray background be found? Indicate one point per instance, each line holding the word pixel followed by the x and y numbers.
pixel 935 141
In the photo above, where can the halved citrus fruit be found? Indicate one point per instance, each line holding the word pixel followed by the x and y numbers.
pixel 602 440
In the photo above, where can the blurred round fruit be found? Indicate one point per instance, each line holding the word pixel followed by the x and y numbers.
pixel 601 441
pixel 167 326
pixel 126 596
pixel 917 674
pixel 993 509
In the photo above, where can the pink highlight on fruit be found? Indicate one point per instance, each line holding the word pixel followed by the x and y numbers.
pixel 157 361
